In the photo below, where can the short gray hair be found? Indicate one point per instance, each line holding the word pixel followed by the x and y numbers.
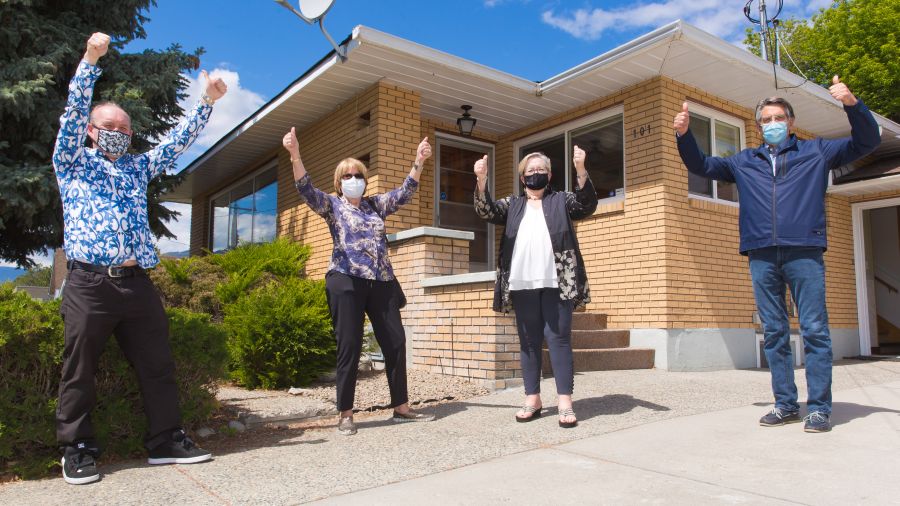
pixel 524 162
pixel 788 110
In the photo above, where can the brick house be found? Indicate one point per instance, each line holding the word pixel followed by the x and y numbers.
pixel 661 250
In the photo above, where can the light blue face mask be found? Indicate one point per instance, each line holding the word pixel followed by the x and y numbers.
pixel 775 132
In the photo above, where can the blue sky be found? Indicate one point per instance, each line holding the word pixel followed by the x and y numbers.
pixel 259 48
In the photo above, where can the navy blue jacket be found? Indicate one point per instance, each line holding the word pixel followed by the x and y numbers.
pixel 787 209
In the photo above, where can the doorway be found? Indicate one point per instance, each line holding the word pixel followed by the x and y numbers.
pixel 877 251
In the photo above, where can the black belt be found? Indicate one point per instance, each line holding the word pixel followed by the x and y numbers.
pixel 107 270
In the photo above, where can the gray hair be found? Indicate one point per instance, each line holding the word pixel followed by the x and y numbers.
pixel 524 162
pixel 788 110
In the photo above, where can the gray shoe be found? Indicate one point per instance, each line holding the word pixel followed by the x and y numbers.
pixel 412 416
pixel 346 427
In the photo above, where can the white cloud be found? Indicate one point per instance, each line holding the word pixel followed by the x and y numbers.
pixel 181 227
pixel 233 108
pixel 723 19
pixel 237 104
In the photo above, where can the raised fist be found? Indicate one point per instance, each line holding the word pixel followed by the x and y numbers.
pixel 97 46
pixel 682 120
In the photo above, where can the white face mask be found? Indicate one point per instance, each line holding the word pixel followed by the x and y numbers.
pixel 353 188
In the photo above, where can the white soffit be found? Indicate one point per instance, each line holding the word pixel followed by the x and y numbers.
pixel 503 103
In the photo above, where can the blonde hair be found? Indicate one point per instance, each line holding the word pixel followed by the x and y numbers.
pixel 524 162
pixel 345 165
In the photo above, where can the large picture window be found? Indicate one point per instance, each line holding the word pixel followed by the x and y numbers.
pixel 246 212
pixel 718 135
pixel 601 136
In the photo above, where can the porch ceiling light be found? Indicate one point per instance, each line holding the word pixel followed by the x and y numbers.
pixel 465 123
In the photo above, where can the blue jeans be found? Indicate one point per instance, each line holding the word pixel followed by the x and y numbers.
pixel 803 270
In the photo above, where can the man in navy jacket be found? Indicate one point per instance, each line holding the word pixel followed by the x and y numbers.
pixel 781 186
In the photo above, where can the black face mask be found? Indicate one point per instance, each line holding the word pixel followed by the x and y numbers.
pixel 537 181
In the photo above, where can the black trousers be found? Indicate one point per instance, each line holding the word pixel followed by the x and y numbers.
pixel 351 298
pixel 540 314
pixel 93 307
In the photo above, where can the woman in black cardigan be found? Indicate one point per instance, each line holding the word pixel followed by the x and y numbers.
pixel 540 273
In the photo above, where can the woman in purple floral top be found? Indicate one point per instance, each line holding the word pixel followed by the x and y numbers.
pixel 360 280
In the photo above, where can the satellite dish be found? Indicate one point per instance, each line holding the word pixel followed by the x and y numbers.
pixel 314 9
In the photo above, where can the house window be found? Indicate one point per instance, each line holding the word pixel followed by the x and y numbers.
pixel 246 212
pixel 602 138
pixel 721 136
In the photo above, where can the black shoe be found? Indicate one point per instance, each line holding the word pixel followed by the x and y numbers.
pixel 78 465
pixel 778 417
pixel 180 450
pixel 817 422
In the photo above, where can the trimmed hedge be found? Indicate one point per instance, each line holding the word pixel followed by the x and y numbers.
pixel 31 346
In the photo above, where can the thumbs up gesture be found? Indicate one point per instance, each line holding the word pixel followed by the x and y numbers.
pixel 841 92
pixel 682 120
pixel 481 168
pixel 215 87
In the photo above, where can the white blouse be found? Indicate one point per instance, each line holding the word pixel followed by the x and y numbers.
pixel 532 259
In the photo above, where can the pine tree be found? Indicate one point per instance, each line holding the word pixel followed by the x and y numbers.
pixel 41 44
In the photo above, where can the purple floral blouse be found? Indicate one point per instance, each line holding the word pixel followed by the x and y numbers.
pixel 360 242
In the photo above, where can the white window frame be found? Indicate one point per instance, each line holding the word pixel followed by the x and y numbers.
pixel 457 140
pixel 733 121
pixel 565 129
pixel 211 202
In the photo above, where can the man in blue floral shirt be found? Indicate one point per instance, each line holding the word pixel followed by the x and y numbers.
pixel 108 245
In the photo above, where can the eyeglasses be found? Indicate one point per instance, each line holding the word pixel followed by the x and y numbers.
pixel 536 171
pixel 347 177
pixel 778 118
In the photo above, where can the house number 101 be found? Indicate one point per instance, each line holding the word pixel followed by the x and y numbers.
pixel 640 132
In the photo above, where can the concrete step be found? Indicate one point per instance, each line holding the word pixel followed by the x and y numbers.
pixel 599 339
pixel 588 321
pixel 605 360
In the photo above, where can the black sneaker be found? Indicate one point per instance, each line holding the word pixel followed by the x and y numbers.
pixel 817 422
pixel 78 465
pixel 778 417
pixel 180 450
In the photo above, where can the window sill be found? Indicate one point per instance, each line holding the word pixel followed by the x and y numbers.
pixel 610 206
pixel 719 206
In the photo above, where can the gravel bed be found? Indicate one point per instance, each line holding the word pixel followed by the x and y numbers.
pixel 372 394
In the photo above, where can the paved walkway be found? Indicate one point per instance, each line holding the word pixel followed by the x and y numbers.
pixel 644 437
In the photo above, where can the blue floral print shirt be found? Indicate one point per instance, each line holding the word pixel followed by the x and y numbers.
pixel 105 202
pixel 360 243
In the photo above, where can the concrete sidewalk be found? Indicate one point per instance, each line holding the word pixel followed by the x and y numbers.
pixel 644 436
pixel 714 458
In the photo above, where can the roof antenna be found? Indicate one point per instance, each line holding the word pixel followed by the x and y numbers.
pixel 312 11
pixel 764 21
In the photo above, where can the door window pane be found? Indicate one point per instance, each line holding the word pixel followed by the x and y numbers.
pixel 455 203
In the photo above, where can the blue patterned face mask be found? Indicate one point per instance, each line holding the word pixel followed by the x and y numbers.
pixel 113 143
pixel 775 132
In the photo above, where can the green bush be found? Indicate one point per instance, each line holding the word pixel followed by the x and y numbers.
pixel 280 334
pixel 190 283
pixel 31 346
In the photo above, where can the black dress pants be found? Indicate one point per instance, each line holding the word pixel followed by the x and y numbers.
pixel 93 307
pixel 351 298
